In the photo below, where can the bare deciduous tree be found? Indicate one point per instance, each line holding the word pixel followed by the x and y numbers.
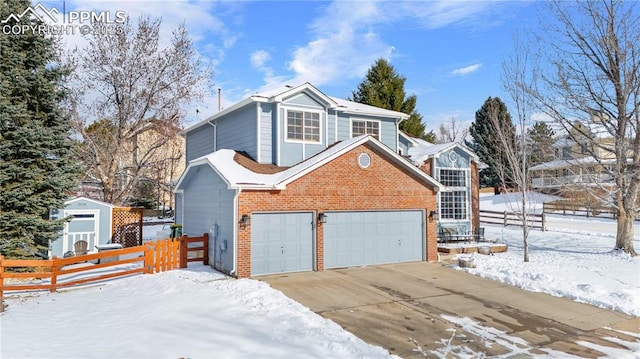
pixel 517 80
pixel 592 54
pixel 452 131
pixel 137 90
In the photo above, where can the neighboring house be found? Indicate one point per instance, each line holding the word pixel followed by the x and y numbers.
pixel 295 180
pixel 89 220
pixel 582 158
pixel 456 167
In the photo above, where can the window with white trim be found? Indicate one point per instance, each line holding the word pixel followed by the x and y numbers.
pixel 453 199
pixel 453 178
pixel 453 205
pixel 364 127
pixel 303 126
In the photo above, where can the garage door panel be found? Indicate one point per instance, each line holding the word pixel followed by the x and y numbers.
pixel 281 242
pixel 362 238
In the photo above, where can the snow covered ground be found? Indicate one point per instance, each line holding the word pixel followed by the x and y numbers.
pixel 198 313
pixel 574 259
pixel 194 313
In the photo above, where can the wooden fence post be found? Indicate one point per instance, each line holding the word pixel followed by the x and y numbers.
pixel 183 251
pixel 505 218
pixel 148 259
pixel 54 274
pixel 205 255
pixel 544 222
pixel 1 283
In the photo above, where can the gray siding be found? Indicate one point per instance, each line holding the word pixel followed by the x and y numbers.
pixel 331 128
pixel 178 208
pixel 103 235
pixel 200 142
pixel 303 100
pixel 208 208
pixel 404 145
pixel 237 131
pixel 266 137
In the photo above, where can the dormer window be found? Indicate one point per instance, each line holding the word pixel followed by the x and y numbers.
pixel 365 127
pixel 303 126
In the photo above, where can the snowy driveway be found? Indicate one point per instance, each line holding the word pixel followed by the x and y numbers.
pixel 418 309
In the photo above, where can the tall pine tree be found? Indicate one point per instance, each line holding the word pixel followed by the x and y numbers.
pixel 541 138
pixel 383 87
pixel 486 143
pixel 36 171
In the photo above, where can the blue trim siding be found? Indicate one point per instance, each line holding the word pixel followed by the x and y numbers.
pixel 208 208
pixel 266 130
pixel 388 129
pixel 304 100
pixel 199 142
pixel 292 152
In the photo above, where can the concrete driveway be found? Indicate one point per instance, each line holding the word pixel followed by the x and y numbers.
pixel 419 309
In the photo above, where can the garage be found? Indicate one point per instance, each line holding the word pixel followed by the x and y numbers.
pixel 373 237
pixel 281 242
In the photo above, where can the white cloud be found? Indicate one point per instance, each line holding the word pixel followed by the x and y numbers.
pixel 347 36
pixel 466 70
pixel 259 58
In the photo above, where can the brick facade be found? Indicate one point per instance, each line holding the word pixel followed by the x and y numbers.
pixel 342 184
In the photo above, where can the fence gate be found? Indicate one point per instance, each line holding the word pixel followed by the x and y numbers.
pixel 126 227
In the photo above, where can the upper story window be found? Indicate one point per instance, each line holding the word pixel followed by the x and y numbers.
pixel 303 126
pixel 364 127
pixel 453 178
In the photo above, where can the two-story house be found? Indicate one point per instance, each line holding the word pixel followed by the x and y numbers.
pixel 583 157
pixel 295 180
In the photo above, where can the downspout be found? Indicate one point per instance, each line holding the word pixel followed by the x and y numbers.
pixel 215 136
pixel 235 232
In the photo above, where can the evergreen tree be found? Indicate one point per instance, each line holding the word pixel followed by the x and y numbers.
pixel 487 145
pixel 383 87
pixel 36 171
pixel 541 138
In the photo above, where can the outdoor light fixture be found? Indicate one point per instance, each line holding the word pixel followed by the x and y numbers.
pixel 245 220
pixel 433 214
pixel 322 218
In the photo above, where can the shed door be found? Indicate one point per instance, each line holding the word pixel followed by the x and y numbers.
pixel 281 242
pixel 362 238
pixel 82 227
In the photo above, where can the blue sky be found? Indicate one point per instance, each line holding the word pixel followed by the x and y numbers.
pixel 449 51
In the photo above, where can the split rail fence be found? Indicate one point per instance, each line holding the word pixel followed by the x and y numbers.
pixel 153 257
pixel 512 219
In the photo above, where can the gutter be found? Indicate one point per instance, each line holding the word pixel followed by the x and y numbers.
pixel 234 270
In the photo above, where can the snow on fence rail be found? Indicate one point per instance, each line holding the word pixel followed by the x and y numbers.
pixel 574 209
pixel 153 257
pixel 512 219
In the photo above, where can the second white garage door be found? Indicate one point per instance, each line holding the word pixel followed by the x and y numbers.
pixel 364 238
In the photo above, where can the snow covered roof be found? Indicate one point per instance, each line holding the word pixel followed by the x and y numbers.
pixel 280 93
pixel 564 163
pixel 239 176
pixel 77 199
pixel 425 150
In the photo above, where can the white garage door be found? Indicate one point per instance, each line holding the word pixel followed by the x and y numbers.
pixel 362 238
pixel 281 242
